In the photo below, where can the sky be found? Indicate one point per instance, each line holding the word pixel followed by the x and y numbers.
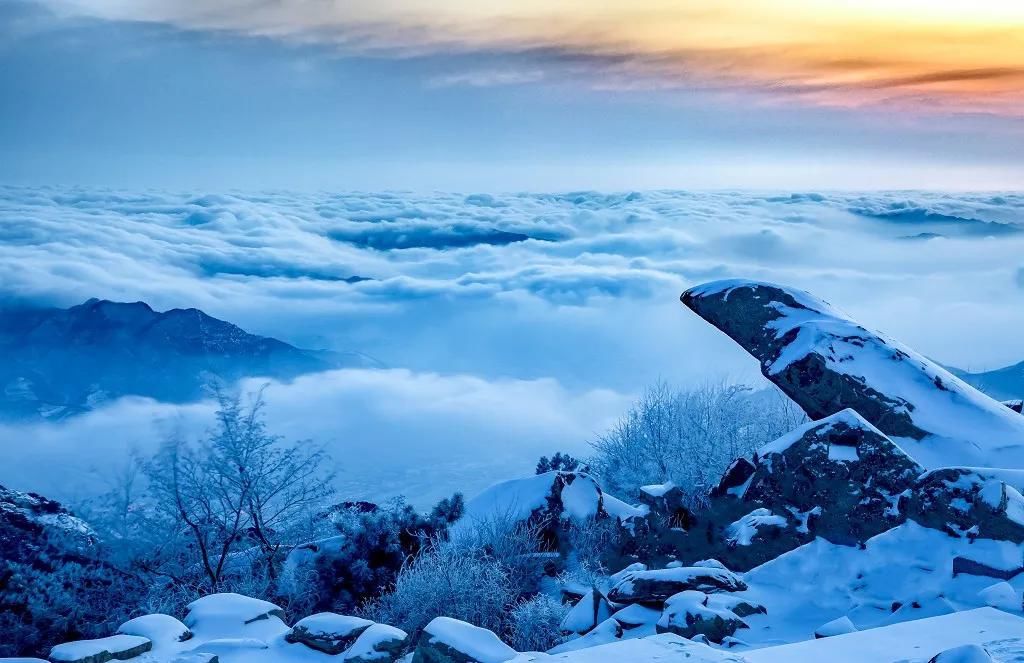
pixel 509 96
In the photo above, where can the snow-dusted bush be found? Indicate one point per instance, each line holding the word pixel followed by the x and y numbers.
pixel 689 436
pixel 515 545
pixel 372 546
pixel 535 623
pixel 477 575
pixel 57 599
pixel 590 540
pixel 447 581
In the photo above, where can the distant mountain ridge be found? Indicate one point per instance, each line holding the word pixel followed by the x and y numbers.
pixel 1003 383
pixel 61 362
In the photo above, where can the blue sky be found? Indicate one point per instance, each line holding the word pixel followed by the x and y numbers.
pixel 108 98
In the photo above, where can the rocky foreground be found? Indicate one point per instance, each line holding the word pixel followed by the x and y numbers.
pixel 889 528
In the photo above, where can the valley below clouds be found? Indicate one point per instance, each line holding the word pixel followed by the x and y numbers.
pixel 508 326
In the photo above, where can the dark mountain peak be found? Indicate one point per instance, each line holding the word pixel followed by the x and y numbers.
pixel 65 361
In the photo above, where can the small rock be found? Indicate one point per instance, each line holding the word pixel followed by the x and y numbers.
pixel 116 647
pixel 447 640
pixel 835 627
pixel 378 644
pixel 157 627
pixel 1001 595
pixel 328 632
pixel 964 654
pixel 658 585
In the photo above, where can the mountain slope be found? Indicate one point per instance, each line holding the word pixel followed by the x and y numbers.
pixel 61 362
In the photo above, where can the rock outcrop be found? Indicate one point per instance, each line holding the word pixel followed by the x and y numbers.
pixel 840 478
pixel 655 587
pixel 826 363
pixel 689 615
pixel 328 632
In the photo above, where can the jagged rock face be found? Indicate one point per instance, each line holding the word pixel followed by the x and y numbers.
pixel 688 614
pixel 1015 405
pixel 30 523
pixel 839 478
pixel 969 502
pixel 826 363
pixel 842 479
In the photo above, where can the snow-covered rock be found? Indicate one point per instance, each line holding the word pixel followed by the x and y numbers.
pixel 158 628
pixel 739 605
pixel 837 626
pixel 688 614
pixel 970 502
pixel 234 615
pixel 826 363
pixel 963 654
pixel 447 640
pixel 568 496
pixel 636 616
pixel 588 612
pixel 116 647
pixel 666 500
pixel 743 531
pixel 610 630
pixel 328 632
pixel 1001 595
pixel 379 643
pixel 841 465
pixel 1016 405
pixel 653 587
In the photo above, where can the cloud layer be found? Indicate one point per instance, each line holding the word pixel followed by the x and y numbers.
pixel 500 350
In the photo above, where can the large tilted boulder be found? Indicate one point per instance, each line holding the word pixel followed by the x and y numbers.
pixel 826 363
pixel 328 632
pixel 688 614
pixel 655 587
pixel 447 640
pixel 114 648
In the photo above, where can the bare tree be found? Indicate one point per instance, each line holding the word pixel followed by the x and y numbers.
pixel 232 497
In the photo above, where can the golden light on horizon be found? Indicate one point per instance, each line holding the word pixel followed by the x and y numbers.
pixel 959 55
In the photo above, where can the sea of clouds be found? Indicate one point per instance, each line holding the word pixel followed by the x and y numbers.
pixel 510 325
